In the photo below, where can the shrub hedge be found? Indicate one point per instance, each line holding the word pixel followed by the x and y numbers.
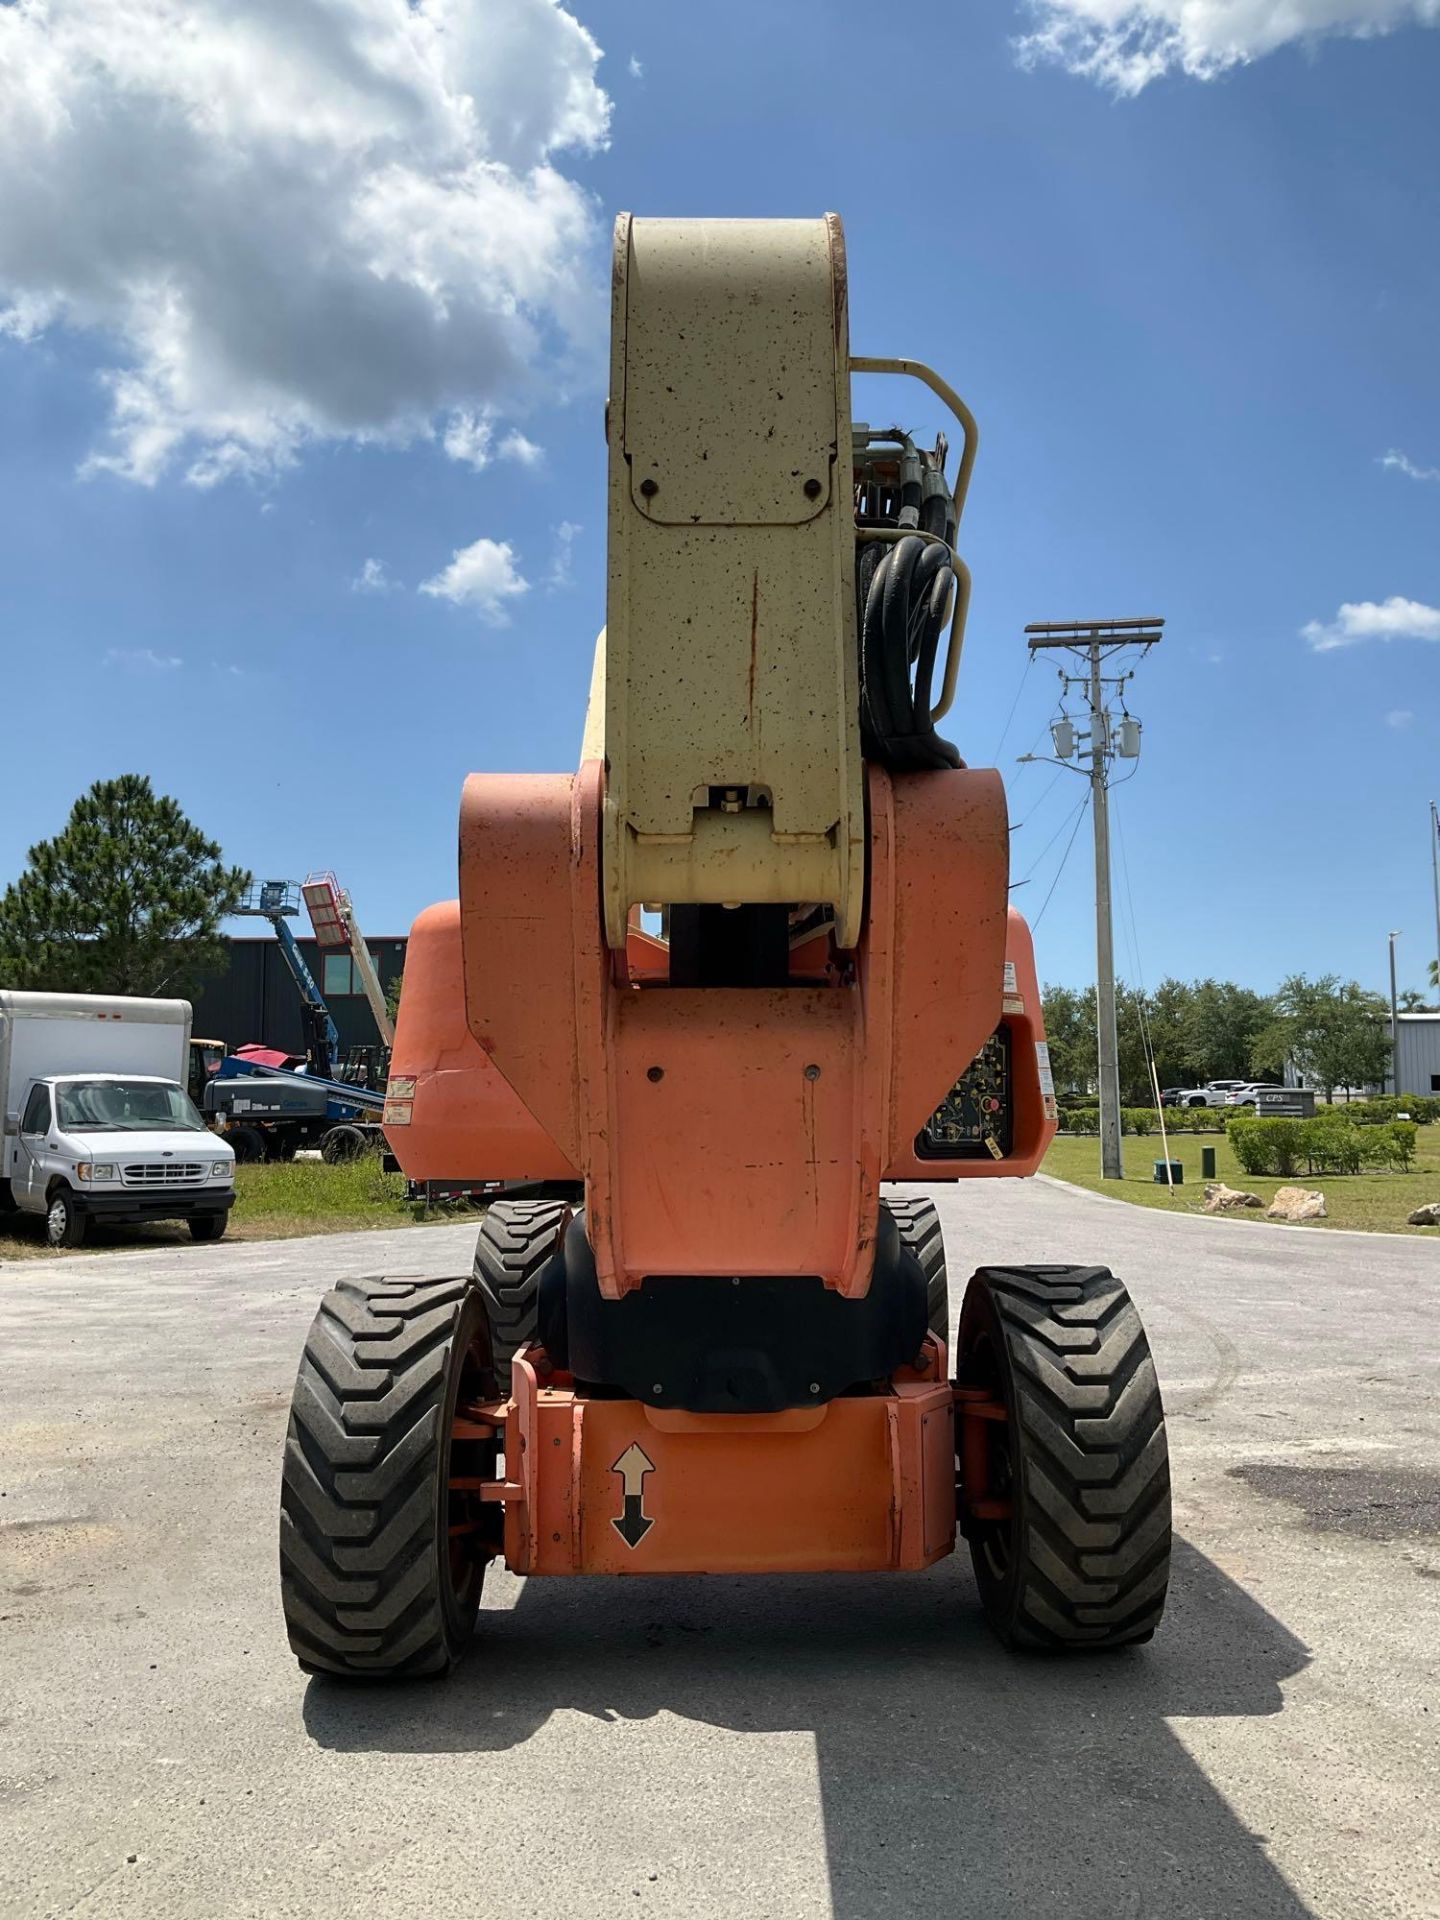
pixel 1330 1143
pixel 1422 1108
pixel 1333 1142
pixel 1083 1116
pixel 1147 1120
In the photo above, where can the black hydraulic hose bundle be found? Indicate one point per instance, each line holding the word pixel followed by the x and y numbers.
pixel 904 591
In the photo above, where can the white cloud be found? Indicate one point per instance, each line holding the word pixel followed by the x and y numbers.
pixel 483 576
pixel 288 220
pixel 1392 619
pixel 1125 44
pixel 372 578
pixel 1399 718
pixel 470 437
pixel 515 446
pixel 637 70
pixel 1396 462
pixel 561 559
pixel 142 660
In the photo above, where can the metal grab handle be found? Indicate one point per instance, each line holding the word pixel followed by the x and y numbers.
pixel 942 389
pixel 918 370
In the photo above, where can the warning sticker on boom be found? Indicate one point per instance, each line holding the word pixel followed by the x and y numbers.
pixel 1047 1078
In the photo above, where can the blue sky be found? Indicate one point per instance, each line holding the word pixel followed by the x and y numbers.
pixel 1192 320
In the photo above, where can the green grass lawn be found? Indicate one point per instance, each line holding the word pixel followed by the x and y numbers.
pixel 1376 1202
pixel 273 1202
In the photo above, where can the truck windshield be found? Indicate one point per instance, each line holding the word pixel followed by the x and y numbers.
pixel 125 1106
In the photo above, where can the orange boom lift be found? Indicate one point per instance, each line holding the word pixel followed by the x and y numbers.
pixel 748 965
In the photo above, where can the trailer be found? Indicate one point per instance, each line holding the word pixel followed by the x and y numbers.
pixel 269 1105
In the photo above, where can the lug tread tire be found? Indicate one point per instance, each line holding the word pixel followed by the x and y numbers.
pixel 340 1145
pixel 363 1511
pixel 516 1238
pixel 919 1225
pixel 247 1144
pixel 1091 1531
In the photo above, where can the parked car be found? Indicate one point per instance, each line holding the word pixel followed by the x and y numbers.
pixel 96 1121
pixel 1245 1096
pixel 1215 1093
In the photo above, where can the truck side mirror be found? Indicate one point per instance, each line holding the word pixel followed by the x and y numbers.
pixel 12 1123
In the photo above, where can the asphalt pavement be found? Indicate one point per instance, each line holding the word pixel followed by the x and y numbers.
pixel 855 1746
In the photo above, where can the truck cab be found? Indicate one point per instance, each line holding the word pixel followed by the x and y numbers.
pixel 118 1148
pixel 95 1122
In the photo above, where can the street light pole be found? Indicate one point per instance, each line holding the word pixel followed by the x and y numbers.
pixel 1112 1164
pixel 1094 641
pixel 1394 1021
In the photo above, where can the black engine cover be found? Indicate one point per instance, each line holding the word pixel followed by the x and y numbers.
pixel 712 1344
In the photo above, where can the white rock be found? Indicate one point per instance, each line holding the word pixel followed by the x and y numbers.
pixel 1222 1199
pixel 1296 1203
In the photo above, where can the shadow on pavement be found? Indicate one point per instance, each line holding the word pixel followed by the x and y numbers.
pixel 956 1779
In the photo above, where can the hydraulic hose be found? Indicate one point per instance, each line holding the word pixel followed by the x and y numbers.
pixel 904 597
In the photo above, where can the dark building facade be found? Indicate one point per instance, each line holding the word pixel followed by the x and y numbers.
pixel 255 998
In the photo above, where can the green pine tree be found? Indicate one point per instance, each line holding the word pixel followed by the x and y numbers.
pixel 128 898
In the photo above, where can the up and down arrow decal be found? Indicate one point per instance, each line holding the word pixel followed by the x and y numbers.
pixel 633 1523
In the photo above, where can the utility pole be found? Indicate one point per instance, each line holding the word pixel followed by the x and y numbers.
pixel 1094 642
pixel 1435 877
pixel 1394 1021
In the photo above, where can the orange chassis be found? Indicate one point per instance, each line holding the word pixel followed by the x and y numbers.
pixel 863 1483
pixel 871 1480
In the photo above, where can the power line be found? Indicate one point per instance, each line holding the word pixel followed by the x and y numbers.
pixel 1026 760
pixel 1147 1038
pixel 1019 689
pixel 1080 815
pixel 1134 935
pixel 1037 862
pixel 1020 825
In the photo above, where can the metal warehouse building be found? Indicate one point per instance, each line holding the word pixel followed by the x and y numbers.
pixel 255 997
pixel 1417 1053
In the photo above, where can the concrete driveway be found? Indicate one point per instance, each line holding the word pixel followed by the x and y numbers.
pixel 849 1746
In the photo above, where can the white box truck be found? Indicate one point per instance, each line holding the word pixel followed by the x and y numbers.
pixel 97 1124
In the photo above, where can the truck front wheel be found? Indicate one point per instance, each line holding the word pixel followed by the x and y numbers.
pixel 208 1226
pixel 65 1224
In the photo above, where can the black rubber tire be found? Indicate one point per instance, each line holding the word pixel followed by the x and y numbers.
pixel 1084 1559
pixel 247 1144
pixel 209 1226
pixel 341 1145
pixel 516 1238
pixel 919 1226
pixel 373 1583
pixel 65 1224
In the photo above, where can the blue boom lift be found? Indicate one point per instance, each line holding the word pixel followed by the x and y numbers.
pixel 270 1104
